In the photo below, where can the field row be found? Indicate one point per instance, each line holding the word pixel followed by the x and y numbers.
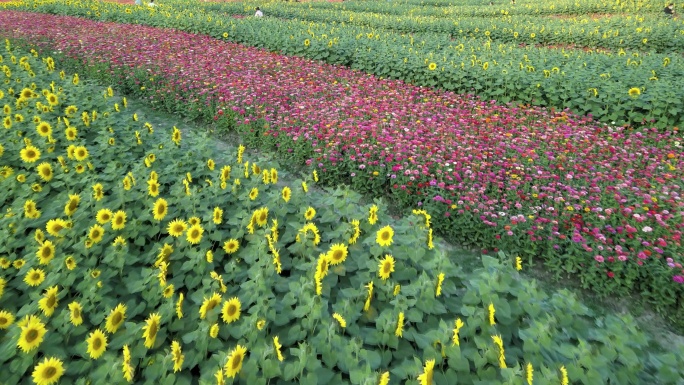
pixel 623 88
pixel 643 33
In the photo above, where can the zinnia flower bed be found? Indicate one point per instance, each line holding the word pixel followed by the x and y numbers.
pixel 602 203
pixel 132 254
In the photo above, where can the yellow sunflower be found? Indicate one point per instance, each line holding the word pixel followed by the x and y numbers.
pixel 80 153
pixel 48 371
pixel 44 129
pixel 34 277
pixel 32 334
pixel 115 318
pixel 214 330
pixel 277 346
pixel 45 171
pixel 338 317
pixel 98 191
pixel 168 291
pixel 96 233
pixel 54 226
pixel 49 302
pixel 384 236
pixel 432 66
pixel 30 154
pixel 153 188
pixel 254 193
pixel 634 92
pixel 104 216
pixel 72 204
pixel 46 252
pixel 218 215
pixel 177 227
pixel 75 313
pixel 310 213
pixel 209 304
pixel 286 194
pixel 337 254
pixel 231 310
pixel 262 216
pixel 71 133
pixel 30 209
pixel 97 344
pixel 71 110
pixel 119 220
pixel 426 377
pixel 177 356
pixel 231 246
pixel 386 267
pixel 274 176
pixel 6 319
pixel 161 207
pixel 70 263
pixel 235 359
pixel 194 235
pixel 18 264
pixel 151 329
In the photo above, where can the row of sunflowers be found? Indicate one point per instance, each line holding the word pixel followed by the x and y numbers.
pixel 146 250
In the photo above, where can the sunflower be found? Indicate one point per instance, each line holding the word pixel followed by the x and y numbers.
pixel 5 264
pixel 32 333
pixel 104 216
pixel 45 171
pixel 176 136
pixel 209 304
pixel 96 233
pixel 70 262
pixel 153 188
pixel 179 306
pixel 48 371
pixel 235 359
pixel 384 378
pixel 384 236
pixel 195 234
pixel 75 313
pixel 386 267
pixel 168 291
pixel 277 346
pixel 36 187
pixel 432 66
pixel 426 377
pixel 18 118
pixel 310 213
pixel 151 329
pixel 34 277
pixel 6 319
pixel 97 344
pixel 231 310
pixel 305 187
pixel 262 217
pixel 128 371
pixel 30 209
pixel 49 302
pixel 46 252
pixel 72 205
pixel 177 356
pixel 98 191
pixel 71 110
pixel 44 129
pixel 54 226
pixel 7 122
pixel 340 320
pixel 30 154
pixel 115 318
pixel 160 209
pixel 119 220
pixel 218 215
pixel 80 153
pixel 214 330
pixel 634 92
pixel 231 246
pixel 254 193
pixel 18 264
pixel 177 227
pixel 337 254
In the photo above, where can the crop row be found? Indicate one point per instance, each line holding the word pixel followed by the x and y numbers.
pixel 622 88
pixel 643 33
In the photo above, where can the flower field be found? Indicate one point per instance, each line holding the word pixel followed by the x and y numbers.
pixel 598 202
pixel 131 254
pixel 632 85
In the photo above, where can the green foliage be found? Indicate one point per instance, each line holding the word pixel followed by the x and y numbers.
pixel 274 277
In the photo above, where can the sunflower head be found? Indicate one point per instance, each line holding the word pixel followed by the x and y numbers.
pixel 235 359
pixel 231 310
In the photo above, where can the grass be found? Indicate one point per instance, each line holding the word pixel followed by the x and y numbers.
pixel 650 323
